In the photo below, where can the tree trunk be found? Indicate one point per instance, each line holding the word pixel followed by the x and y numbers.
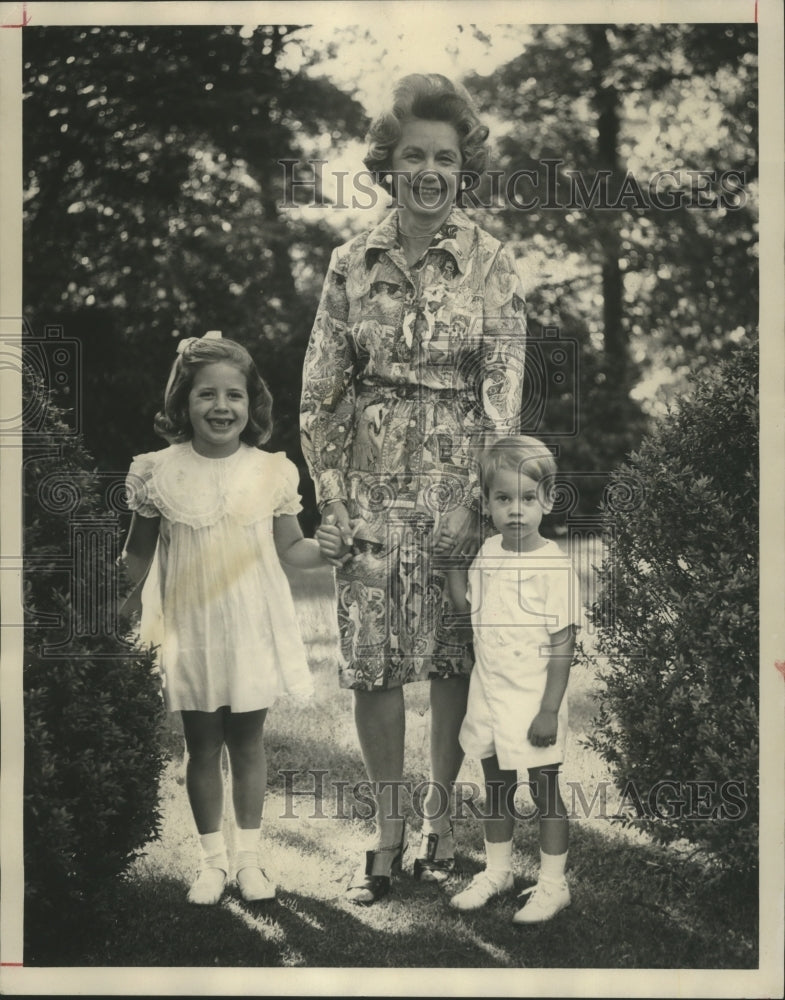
pixel 605 99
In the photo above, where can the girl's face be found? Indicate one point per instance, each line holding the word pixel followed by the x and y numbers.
pixel 430 152
pixel 218 409
pixel 516 506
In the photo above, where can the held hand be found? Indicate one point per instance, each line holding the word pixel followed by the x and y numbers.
pixel 335 512
pixel 444 539
pixel 457 534
pixel 331 544
pixel 335 535
pixel 542 731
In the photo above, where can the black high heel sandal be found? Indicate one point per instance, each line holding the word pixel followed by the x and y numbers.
pixel 369 879
pixel 430 868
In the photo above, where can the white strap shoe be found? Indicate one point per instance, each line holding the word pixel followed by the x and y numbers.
pixel 254 885
pixel 207 887
pixel 546 899
pixel 482 888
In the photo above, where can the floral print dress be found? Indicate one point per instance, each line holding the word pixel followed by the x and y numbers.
pixel 408 371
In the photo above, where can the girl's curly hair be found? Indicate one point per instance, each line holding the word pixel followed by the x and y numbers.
pixel 432 97
pixel 172 421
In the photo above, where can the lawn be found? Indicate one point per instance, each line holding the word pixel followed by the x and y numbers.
pixel 635 906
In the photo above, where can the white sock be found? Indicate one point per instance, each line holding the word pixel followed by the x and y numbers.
pixel 247 848
pixel 214 851
pixel 552 866
pixel 498 857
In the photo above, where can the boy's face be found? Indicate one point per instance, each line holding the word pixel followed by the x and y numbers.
pixel 516 505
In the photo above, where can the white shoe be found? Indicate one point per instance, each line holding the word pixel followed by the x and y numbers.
pixel 545 901
pixel 483 887
pixel 208 887
pixel 254 885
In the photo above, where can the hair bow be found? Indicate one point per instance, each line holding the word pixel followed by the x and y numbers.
pixel 186 343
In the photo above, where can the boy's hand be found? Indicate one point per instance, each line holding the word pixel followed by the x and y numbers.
pixel 542 731
pixel 457 535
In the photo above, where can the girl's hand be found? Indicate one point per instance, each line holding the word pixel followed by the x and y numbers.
pixel 335 534
pixel 331 543
pixel 542 731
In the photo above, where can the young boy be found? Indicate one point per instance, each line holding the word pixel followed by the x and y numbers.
pixel 524 602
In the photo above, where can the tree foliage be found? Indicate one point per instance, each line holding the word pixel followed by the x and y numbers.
pixel 677 647
pixel 153 191
pixel 92 708
pixel 153 185
pixel 648 293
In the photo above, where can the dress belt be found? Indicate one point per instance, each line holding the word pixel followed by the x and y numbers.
pixel 403 391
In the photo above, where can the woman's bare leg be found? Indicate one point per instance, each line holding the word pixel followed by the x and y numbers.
pixel 381 727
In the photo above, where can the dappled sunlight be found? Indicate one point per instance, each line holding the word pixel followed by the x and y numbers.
pixel 316 830
pixel 265 926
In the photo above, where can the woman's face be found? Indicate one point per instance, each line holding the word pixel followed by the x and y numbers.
pixel 426 164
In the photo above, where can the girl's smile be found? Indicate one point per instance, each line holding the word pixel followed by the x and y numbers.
pixel 218 409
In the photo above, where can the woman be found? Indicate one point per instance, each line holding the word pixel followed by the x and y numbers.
pixel 416 355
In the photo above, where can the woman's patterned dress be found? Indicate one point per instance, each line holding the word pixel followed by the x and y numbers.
pixel 409 370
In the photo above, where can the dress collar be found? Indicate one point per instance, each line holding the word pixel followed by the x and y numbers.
pixel 455 235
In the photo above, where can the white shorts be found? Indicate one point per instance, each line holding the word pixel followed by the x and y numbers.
pixel 499 725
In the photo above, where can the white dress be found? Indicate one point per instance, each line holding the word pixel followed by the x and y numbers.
pixel 217 600
pixel 518 600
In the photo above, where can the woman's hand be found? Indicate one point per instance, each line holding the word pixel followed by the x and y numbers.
pixel 457 534
pixel 331 543
pixel 335 535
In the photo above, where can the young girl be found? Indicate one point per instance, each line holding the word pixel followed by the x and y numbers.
pixel 524 602
pixel 218 514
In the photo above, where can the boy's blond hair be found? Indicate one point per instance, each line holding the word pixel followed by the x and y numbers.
pixel 518 453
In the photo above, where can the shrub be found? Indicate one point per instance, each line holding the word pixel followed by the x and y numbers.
pixel 93 747
pixel 678 621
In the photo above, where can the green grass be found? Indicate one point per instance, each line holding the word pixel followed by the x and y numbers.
pixel 635 906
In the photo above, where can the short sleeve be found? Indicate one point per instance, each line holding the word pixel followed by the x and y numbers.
pixel 563 598
pixel 287 495
pixel 138 487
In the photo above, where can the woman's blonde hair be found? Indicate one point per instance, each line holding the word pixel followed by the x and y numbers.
pixel 432 97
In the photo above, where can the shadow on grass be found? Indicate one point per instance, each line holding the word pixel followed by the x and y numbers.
pixel 628 911
pixel 635 906
pixel 153 925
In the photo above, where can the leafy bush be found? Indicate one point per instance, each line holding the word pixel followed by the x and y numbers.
pixel 93 748
pixel 678 621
